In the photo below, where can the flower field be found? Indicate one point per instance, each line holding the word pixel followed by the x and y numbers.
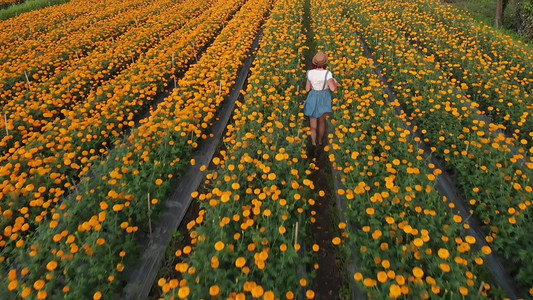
pixel 6 3
pixel 489 166
pixel 84 177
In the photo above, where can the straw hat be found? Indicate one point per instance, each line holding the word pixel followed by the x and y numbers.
pixel 320 59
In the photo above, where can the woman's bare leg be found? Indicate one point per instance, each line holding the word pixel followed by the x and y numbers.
pixel 322 128
pixel 313 122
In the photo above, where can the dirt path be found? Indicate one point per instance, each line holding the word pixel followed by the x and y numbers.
pixel 329 281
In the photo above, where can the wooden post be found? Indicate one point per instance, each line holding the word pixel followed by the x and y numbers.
pixel 5 120
pixel 220 88
pixel 499 13
pixel 27 80
pixel 296 234
pixel 149 218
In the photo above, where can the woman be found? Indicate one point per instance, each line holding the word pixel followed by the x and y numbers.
pixel 318 104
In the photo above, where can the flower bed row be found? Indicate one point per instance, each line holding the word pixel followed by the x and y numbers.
pixel 244 242
pixel 496 185
pixel 497 75
pixel 7 3
pixel 37 59
pixel 405 241
pixel 37 23
pixel 95 226
pixel 54 98
pixel 50 165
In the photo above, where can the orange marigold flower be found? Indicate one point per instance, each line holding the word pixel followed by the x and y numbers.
pixel 51 265
pixel 214 290
pixel 39 284
pixel 395 291
pixel 418 272
pixel 444 253
pixel 240 262
pixel 219 246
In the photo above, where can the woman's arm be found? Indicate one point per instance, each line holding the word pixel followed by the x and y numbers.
pixel 308 86
pixel 333 84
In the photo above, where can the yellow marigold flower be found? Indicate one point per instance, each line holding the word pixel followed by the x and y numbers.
pixel 369 282
pixel 486 250
pixel 183 292
pixel 342 225
pixel 97 295
pixel 269 295
pixel 13 285
pixel 358 276
pixel 303 282
pixel 219 246
pixel 214 290
pixel 463 291
pixel 257 291
pixel 470 239
pixel 444 253
pixel 39 284
pixel 289 295
pixel 418 272
pixel 382 277
pixel 240 262
pixel 25 293
pixel 395 291
pixel 444 267
pixel 282 230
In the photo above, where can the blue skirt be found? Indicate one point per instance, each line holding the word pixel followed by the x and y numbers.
pixel 318 103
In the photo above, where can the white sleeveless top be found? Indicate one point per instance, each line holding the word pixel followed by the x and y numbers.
pixel 316 77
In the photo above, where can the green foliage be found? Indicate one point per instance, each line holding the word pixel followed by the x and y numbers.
pixel 485 11
pixel 26 6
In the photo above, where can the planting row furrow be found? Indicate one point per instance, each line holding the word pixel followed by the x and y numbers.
pixel 405 241
pixel 55 97
pixel 501 85
pixel 496 187
pixel 37 60
pixel 245 242
pixel 95 224
pixel 50 165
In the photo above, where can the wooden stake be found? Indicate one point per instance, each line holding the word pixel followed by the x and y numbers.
pixel 220 88
pixel 172 60
pixel 481 287
pixel 296 234
pixel 5 120
pixel 27 80
pixel 149 218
